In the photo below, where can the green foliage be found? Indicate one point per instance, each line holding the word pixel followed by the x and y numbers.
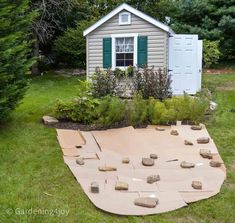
pixel 119 73
pixel 156 111
pixel 81 109
pixel 211 53
pixel 177 108
pixel 130 71
pixel 70 48
pixel 211 19
pixel 138 110
pixel 111 111
pixel 15 22
pixel 151 83
pixel 103 83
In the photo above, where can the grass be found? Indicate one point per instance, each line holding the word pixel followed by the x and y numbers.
pixel 34 177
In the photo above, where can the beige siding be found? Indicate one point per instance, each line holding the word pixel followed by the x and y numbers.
pixel 157 41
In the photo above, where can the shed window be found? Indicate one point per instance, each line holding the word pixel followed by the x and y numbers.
pixel 124 51
pixel 124 18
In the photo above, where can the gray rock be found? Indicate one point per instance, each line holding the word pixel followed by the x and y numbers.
pixel 153 156
pixel 107 168
pixel 206 153
pixel 49 120
pixel 214 163
pixel 188 143
pixel 148 202
pixel 95 187
pixel 196 127
pixel 185 164
pixel 153 178
pixel 121 185
pixel 147 161
pixel 126 160
pixel 197 185
pixel 203 140
pixel 174 132
pixel 80 161
pixel 159 129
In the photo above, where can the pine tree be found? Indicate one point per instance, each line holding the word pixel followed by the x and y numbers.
pixel 15 61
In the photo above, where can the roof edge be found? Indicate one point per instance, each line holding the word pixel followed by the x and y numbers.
pixel 134 11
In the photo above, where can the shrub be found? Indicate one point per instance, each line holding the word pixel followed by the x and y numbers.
pixel 111 111
pixel 130 71
pixel 81 109
pixel 103 83
pixel 138 111
pixel 70 47
pixel 152 83
pixel 15 53
pixel 211 53
pixel 157 110
pixel 119 73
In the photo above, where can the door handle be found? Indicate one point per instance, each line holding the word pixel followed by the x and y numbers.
pixel 169 70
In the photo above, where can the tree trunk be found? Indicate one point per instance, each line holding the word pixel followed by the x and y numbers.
pixel 35 69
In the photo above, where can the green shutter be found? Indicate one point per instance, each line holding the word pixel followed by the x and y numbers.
pixel 107 52
pixel 142 51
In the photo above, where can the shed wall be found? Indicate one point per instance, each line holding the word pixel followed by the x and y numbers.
pixel 157 41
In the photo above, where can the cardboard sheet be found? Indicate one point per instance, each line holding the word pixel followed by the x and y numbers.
pixel 70 138
pixel 109 147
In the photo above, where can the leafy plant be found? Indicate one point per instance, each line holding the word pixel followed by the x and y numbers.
pixel 119 73
pixel 111 111
pixel 152 83
pixel 130 71
pixel 211 53
pixel 103 83
pixel 138 111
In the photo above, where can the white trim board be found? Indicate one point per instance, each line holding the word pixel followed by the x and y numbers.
pixel 132 10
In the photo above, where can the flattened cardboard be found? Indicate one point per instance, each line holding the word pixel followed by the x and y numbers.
pixel 70 138
pixel 174 189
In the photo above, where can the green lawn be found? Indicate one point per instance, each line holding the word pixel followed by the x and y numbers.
pixel 33 175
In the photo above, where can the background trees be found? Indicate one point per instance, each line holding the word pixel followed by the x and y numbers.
pixel 212 20
pixel 15 36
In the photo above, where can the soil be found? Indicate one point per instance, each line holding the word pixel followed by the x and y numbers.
pixel 63 124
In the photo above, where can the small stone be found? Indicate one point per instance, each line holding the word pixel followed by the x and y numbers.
pixel 49 120
pixel 197 185
pixel 185 164
pixel 107 168
pixel 153 156
pixel 203 140
pixel 196 127
pixel 214 163
pixel 206 153
pixel 94 187
pixel 148 202
pixel 174 132
pixel 159 129
pixel 80 161
pixel 126 160
pixel 147 161
pixel 153 178
pixel 188 143
pixel 121 185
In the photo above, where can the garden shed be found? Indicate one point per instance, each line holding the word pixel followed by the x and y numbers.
pixel 128 37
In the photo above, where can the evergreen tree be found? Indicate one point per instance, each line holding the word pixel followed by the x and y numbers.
pixel 15 23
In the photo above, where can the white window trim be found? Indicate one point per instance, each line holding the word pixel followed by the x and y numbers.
pixel 120 18
pixel 114 36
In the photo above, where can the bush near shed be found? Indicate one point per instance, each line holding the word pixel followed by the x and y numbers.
pixel 110 111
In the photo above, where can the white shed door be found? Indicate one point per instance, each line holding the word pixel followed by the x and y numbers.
pixel 183 63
